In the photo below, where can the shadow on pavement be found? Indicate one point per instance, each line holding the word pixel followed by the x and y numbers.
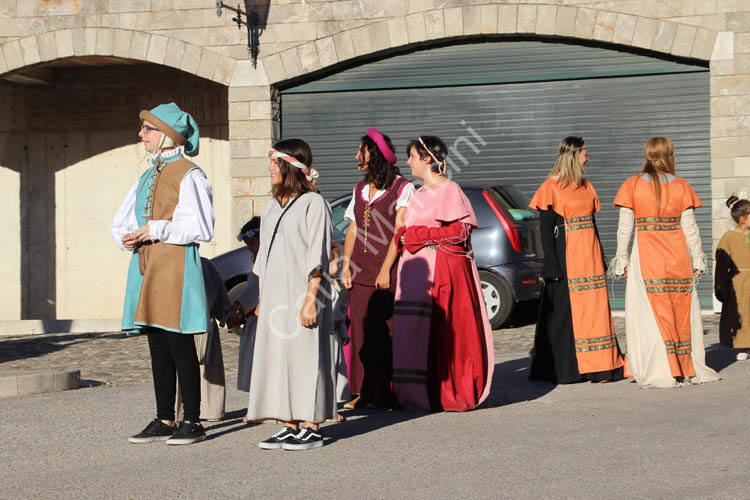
pixel 39 345
pixel 524 313
pixel 511 384
pixel 719 357
pixel 233 419
pixel 369 420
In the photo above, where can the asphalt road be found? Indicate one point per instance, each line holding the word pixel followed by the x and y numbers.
pixel 529 440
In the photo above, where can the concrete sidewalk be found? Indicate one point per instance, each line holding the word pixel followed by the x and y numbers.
pixel 529 440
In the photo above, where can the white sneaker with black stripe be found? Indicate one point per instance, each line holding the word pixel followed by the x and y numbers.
pixel 305 440
pixel 275 442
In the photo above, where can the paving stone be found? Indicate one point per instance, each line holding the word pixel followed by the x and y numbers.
pixel 114 358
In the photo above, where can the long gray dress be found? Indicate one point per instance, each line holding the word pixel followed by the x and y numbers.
pixel 291 376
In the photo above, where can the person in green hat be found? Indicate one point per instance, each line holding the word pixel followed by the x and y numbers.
pixel 165 216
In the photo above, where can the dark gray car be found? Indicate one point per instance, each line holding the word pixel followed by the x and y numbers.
pixel 507 249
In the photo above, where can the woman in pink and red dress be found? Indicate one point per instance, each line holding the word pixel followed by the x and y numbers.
pixel 443 354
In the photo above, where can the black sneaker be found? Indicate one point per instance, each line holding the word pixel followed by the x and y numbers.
pixel 275 441
pixel 188 433
pixel 154 431
pixel 306 439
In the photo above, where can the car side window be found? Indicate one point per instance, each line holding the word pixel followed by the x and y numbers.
pixel 340 224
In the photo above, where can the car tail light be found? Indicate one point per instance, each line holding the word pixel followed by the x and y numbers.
pixel 510 229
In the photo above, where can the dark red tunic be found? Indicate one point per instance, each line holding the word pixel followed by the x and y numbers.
pixel 371 310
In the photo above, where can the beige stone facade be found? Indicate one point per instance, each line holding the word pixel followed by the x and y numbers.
pixel 300 38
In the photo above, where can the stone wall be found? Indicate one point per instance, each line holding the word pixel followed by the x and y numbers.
pixel 69 152
pixel 301 38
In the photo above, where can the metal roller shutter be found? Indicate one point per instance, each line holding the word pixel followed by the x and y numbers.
pixel 507 132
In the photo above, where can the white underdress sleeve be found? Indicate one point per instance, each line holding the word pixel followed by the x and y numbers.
pixel 193 218
pixel 405 196
pixel 693 239
pixel 125 221
pixel 349 214
pixel 624 232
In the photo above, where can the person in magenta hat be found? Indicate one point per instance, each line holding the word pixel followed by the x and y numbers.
pixel 165 216
pixel 376 211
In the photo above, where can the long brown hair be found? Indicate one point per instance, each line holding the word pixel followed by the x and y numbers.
pixel 659 153
pixel 379 171
pixel 568 168
pixel 294 182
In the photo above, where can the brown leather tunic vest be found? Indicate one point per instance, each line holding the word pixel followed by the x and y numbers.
pixel 161 293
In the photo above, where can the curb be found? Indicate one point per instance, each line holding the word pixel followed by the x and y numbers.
pixel 37 382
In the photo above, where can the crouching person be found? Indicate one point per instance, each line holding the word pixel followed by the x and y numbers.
pixel 164 217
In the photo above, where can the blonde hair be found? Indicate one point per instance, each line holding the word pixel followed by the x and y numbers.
pixel 659 153
pixel 568 168
pixel 164 142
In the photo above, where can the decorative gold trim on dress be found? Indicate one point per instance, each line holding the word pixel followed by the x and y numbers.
pixel 595 340
pixel 579 226
pixel 661 289
pixel 584 218
pixel 594 286
pixel 596 347
pixel 657 219
pixel 653 227
pixel 366 223
pixel 669 281
pixel 586 279
pixel 683 343
pixel 681 352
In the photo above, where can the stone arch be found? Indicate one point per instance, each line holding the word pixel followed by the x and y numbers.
pixel 487 19
pixel 116 42
pixel 48 165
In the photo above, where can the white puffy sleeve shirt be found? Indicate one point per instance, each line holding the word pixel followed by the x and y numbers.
pixel 192 221
pixel 402 201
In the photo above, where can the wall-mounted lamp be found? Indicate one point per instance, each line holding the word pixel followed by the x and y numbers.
pixel 252 21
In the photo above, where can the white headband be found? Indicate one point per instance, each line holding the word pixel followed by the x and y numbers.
pixel 310 173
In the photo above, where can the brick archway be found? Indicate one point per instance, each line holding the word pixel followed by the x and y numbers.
pixel 455 23
pixel 115 42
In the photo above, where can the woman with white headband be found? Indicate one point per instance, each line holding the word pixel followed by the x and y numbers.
pixel 732 285
pixel 291 377
pixel 443 354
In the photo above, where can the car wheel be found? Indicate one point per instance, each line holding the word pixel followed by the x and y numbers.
pixel 497 296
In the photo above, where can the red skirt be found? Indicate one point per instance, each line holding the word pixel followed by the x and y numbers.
pixel 457 364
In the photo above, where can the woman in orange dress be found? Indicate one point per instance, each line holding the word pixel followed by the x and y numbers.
pixel 662 314
pixel 575 338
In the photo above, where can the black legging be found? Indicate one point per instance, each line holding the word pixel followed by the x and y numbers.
pixel 173 355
